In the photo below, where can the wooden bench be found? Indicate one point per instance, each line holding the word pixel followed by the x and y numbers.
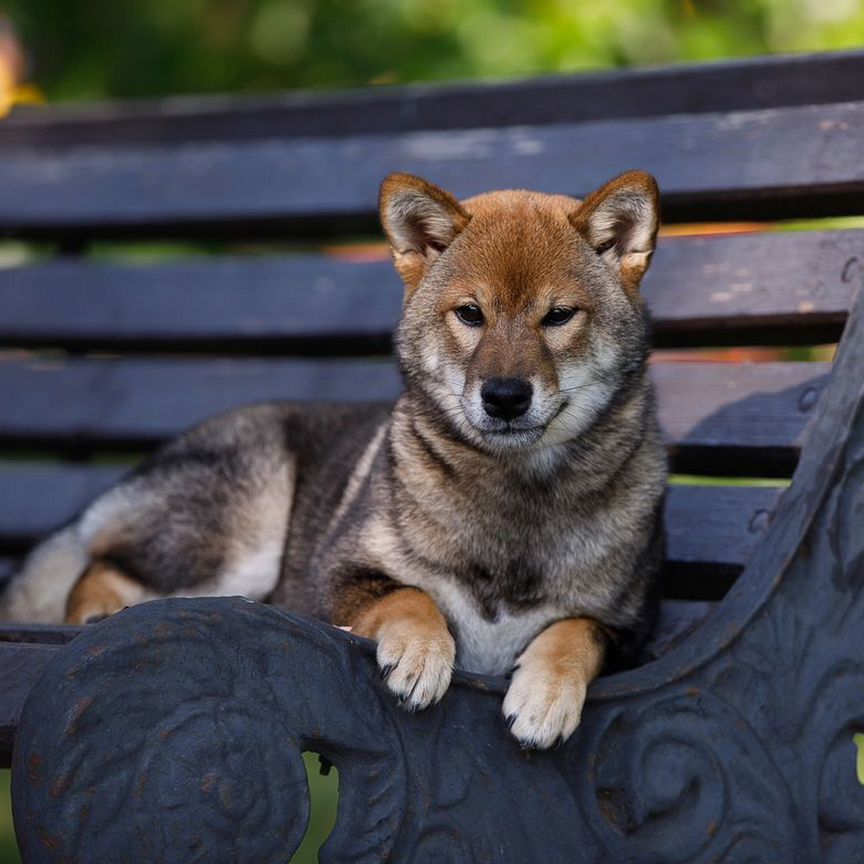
pixel 104 357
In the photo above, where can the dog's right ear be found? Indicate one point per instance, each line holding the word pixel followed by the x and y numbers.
pixel 420 221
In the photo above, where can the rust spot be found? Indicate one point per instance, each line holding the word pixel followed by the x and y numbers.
pixel 78 712
pixel 139 786
pixel 84 813
pixel 48 841
pixel 95 650
pixel 34 769
pixel 207 782
pixel 165 734
pixel 61 786
pixel 693 691
pixel 712 828
pixel 606 802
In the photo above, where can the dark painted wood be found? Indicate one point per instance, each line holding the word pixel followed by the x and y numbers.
pixel 709 527
pixel 38 498
pixel 715 416
pixel 758 288
pixel 762 82
pixel 795 161
pixel 20 668
pixel 744 418
pixel 301 303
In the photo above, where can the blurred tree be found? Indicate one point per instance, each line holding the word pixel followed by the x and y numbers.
pixel 102 48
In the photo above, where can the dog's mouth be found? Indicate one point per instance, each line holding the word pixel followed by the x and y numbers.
pixel 520 433
pixel 513 437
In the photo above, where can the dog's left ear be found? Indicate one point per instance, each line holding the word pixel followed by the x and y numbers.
pixel 420 220
pixel 619 221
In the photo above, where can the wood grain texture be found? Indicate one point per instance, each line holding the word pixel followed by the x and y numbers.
pixel 760 82
pixel 715 416
pixel 719 290
pixel 792 161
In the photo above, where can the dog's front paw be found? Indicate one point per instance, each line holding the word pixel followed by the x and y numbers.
pixel 542 705
pixel 417 666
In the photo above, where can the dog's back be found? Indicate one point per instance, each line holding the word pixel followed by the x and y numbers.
pixel 206 514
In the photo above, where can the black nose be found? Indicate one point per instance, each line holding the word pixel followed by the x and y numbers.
pixel 506 398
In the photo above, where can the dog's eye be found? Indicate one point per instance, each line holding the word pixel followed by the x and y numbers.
pixel 470 314
pixel 557 316
pixel 604 247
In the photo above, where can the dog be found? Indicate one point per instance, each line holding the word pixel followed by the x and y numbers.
pixel 504 515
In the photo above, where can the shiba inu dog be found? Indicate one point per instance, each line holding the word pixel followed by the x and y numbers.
pixel 504 515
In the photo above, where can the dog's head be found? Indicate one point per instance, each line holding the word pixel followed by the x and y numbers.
pixel 522 315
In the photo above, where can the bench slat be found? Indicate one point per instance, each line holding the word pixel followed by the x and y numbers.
pixel 131 402
pixel 713 290
pixel 708 525
pixel 759 82
pixel 715 416
pixel 758 164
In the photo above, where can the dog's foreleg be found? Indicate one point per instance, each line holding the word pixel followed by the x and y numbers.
pixel 415 649
pixel 101 591
pixel 544 702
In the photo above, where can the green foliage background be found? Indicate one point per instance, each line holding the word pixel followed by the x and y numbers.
pixel 104 48
pixel 97 49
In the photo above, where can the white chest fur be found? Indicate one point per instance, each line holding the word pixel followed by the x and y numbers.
pixel 489 647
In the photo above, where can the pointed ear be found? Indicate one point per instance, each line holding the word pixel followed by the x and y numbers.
pixel 420 221
pixel 620 222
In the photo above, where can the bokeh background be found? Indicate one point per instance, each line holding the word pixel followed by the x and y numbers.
pixel 56 51
pixel 95 49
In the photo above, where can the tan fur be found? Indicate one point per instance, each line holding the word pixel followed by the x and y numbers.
pixel 415 647
pixel 101 591
pixel 545 698
pixel 629 202
pixel 420 219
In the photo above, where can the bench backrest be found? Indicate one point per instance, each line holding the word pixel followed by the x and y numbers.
pixel 104 356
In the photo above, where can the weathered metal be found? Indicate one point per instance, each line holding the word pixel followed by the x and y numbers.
pixel 173 731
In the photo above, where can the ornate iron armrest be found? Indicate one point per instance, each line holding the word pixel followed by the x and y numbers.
pixel 174 730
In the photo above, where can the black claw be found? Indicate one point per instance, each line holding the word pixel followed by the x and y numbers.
pixel 510 719
pixel 386 670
